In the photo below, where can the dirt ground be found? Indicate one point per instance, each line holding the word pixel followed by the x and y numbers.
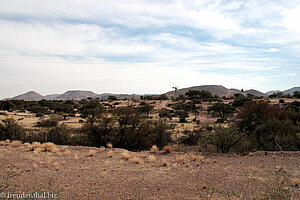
pixel 93 173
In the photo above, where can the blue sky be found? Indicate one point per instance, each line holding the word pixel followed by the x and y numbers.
pixel 140 46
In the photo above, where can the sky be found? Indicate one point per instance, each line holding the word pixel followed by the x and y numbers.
pixel 147 46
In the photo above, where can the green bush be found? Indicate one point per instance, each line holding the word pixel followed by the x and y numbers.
pixel 225 138
pixel 11 129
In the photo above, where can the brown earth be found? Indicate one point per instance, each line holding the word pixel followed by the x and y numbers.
pixel 93 173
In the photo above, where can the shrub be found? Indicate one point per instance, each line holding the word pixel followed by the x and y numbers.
pixel 222 110
pixel 52 121
pixel 224 138
pixel 161 135
pixel 275 135
pixel 11 129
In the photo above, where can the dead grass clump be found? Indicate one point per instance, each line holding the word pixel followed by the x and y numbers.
pixel 48 146
pixel 152 158
pixel 154 149
pixel 16 143
pixel 56 165
pixel 34 146
pixel 76 157
pixel 109 145
pixel 126 155
pixel 2 143
pixel 7 141
pixel 296 182
pixel 137 160
pixel 110 154
pixel 102 149
pixel 165 163
pixel 197 158
pixel 91 153
pixel 38 150
pixel 168 149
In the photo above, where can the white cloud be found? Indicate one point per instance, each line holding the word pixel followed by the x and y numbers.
pixel 271 50
pixel 291 74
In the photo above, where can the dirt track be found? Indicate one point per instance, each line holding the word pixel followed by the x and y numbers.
pixel 79 173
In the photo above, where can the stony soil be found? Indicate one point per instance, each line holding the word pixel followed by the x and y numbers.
pixel 93 173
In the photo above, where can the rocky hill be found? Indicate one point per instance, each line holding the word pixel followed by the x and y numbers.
pixel 29 96
pixel 214 89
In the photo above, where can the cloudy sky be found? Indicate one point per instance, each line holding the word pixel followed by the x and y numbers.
pixel 147 46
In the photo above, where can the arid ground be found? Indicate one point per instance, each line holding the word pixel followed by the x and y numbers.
pixel 98 173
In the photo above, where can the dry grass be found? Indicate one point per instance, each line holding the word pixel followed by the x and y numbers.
pixel 35 145
pixel 91 153
pixel 48 146
pixel 152 158
pixel 56 165
pixel 76 157
pixel 2 143
pixel 7 141
pixel 109 145
pixel 197 158
pixel 126 155
pixel 110 154
pixel 168 149
pixel 102 149
pixel 296 182
pixel 154 149
pixel 165 163
pixel 16 143
pixel 137 160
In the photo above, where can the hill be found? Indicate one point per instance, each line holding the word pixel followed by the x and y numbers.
pixel 255 93
pixel 291 91
pixel 76 95
pixel 29 96
pixel 214 89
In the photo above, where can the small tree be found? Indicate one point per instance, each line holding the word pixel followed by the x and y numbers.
pixel 222 110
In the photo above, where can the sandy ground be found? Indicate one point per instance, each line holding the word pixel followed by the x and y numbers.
pixel 92 173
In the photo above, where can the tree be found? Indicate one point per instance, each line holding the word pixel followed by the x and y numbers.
pixel 91 108
pixel 146 108
pixel 112 98
pixel 297 94
pixel 165 113
pixel 161 135
pixel 255 113
pixel 99 129
pixel 222 110
pixel 182 115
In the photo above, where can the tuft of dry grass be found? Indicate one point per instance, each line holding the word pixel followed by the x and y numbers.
pixel 7 141
pixel 76 157
pixel 137 160
pixel 56 165
pixel 152 158
pixel 38 150
pixel 110 154
pixel 168 149
pixel 154 149
pixel 126 155
pixel 34 146
pixel 197 158
pixel 165 163
pixel 296 182
pixel 48 146
pixel 109 145
pixel 91 153
pixel 2 143
pixel 16 143
pixel 102 149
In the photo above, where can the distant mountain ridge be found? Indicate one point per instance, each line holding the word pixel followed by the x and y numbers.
pixel 288 91
pixel 82 94
pixel 69 95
